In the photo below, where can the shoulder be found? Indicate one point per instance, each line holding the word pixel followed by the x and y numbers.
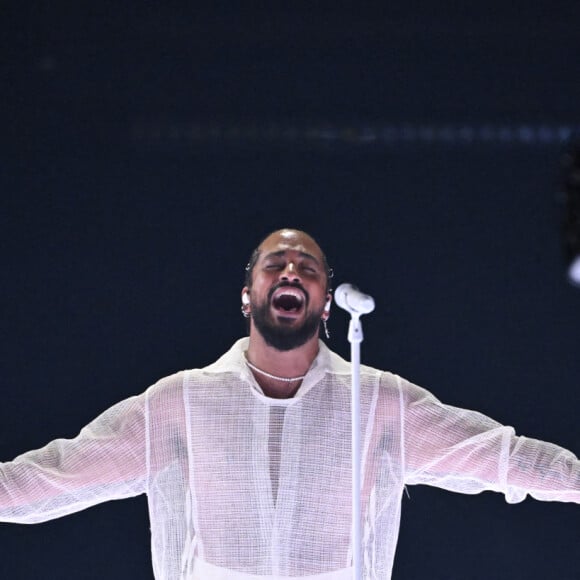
pixel 230 361
pixel 168 387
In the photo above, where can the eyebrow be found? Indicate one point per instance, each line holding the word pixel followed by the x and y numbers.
pixel 281 253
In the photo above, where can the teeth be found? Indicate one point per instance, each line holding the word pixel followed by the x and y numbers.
pixel 288 299
pixel 295 293
pixel 289 291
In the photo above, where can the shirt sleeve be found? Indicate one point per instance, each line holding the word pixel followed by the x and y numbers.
pixel 107 460
pixel 465 451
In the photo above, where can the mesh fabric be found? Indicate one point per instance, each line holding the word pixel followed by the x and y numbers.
pixel 240 485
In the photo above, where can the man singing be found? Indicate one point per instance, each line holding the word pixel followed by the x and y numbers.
pixel 246 463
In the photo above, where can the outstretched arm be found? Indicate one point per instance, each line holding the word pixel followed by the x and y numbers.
pixel 107 460
pixel 467 452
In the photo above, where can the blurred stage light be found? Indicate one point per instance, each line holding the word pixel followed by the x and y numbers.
pixel 574 272
pixel 571 225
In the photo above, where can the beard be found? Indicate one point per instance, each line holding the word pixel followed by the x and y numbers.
pixel 277 334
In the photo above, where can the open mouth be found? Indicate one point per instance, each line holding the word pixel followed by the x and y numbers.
pixel 288 300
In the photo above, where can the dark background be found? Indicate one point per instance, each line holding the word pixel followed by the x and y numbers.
pixel 145 151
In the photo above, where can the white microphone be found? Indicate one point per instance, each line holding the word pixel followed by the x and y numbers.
pixel 351 299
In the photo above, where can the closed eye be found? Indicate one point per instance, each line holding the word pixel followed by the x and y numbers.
pixel 310 269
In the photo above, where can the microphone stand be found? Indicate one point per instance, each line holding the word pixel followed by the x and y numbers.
pixel 356 303
pixel 355 337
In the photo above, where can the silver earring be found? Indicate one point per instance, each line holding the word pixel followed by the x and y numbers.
pixel 325 328
pixel 245 313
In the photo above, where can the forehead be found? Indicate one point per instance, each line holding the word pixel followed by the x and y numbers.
pixel 290 241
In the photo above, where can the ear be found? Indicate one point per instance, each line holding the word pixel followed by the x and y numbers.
pixel 245 296
pixel 327 305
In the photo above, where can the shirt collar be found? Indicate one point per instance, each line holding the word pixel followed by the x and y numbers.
pixel 234 360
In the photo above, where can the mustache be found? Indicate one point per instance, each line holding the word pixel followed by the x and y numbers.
pixel 285 284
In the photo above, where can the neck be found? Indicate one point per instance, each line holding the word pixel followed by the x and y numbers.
pixel 291 363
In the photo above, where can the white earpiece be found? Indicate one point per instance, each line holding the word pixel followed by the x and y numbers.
pixel 327 306
pixel 245 299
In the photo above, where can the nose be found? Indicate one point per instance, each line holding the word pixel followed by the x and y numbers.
pixel 290 273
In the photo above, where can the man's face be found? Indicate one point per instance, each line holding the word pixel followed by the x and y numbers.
pixel 288 291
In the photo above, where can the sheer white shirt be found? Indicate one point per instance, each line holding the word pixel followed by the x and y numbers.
pixel 241 486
